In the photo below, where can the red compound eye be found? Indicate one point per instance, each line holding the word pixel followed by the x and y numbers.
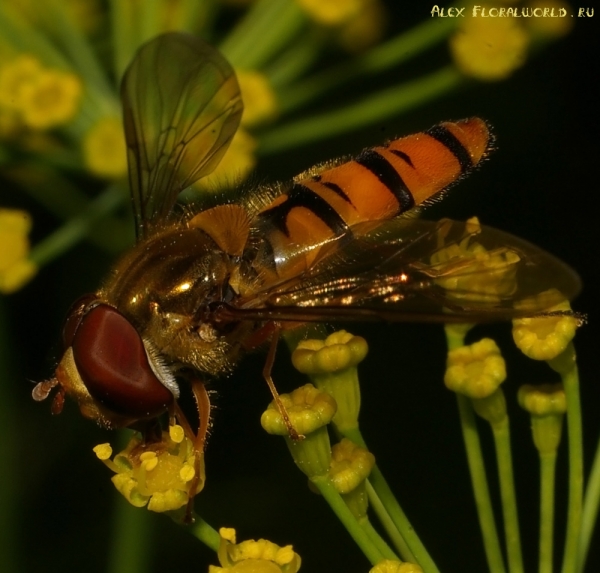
pixel 76 312
pixel 113 364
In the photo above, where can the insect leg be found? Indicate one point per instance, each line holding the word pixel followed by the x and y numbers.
pixel 198 439
pixel 268 367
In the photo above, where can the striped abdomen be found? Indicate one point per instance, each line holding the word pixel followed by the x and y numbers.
pixel 378 184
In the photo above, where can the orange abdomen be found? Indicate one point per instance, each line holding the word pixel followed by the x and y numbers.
pixel 378 184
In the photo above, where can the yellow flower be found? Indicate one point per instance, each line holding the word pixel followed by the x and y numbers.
pixel 545 337
pixel 51 99
pixel 489 48
pixel 236 165
pixel 476 370
pixel 468 271
pixel 104 150
pixel 547 404
pixel 309 412
pixel 550 26
pixel 331 365
pixel 14 77
pixel 15 268
pixel 365 28
pixel 157 474
pixel 251 556
pixel 350 466
pixel 391 566
pixel 260 102
pixel 331 12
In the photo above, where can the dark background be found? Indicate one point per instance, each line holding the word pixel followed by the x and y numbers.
pixel 539 184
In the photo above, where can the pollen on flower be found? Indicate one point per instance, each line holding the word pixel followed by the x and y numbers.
pixel 15 268
pixel 260 102
pixel 489 48
pixel 51 99
pixel 156 475
pixel 545 337
pixel 103 451
pixel 176 433
pixel 104 150
pixel 256 556
pixel 476 370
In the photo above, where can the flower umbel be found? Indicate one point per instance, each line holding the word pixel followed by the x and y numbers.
pixel 158 474
pixel 251 556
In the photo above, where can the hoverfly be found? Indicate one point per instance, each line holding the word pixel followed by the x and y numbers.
pixel 202 287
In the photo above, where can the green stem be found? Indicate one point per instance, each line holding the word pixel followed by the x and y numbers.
pixel 395 512
pixel 481 491
pixel 392 53
pixel 335 501
pixel 131 542
pixel 205 533
pixel 373 109
pixel 501 432
pixel 570 379
pixel 377 541
pixel 76 228
pixel 547 477
pixel 388 525
pixel 267 27
pixel 591 505
pixel 124 23
pixel 9 494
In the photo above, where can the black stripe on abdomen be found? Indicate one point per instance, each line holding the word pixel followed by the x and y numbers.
pixel 387 175
pixel 300 196
pixel 449 140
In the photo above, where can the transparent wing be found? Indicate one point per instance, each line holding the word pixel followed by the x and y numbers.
pixel 416 270
pixel 181 108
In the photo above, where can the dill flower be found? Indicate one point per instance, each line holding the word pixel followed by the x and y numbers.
pixel 331 12
pixel 365 28
pixel 15 268
pixel 549 27
pixel 476 370
pixel 236 164
pixel 547 404
pixel 486 275
pixel 260 101
pixel 545 337
pixel 309 412
pixel 104 150
pixel 15 76
pixel 251 556
pixel 51 99
pixel 350 467
pixel 489 49
pixel 157 474
pixel 392 566
pixel 331 365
